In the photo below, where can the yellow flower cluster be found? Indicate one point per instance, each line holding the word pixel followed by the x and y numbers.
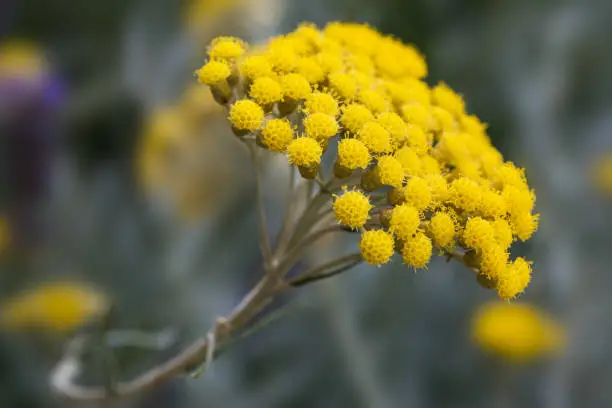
pixel 517 331
pixel 446 185
pixel 58 307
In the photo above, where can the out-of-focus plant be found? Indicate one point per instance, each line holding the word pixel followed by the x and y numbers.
pixel 179 152
pixel 602 174
pixel 59 307
pixel 380 154
pixel 518 332
pixel 5 234
pixel 29 97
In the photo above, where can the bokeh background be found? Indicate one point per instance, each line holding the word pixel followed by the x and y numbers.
pixel 121 185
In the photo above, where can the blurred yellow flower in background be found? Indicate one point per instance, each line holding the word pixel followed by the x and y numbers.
pixel 197 12
pixel 516 331
pixel 59 307
pixel 21 59
pixel 5 234
pixel 602 174
pixel 181 158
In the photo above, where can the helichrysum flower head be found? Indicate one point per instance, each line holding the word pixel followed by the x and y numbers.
pixel 277 134
pixel 246 115
pixel 404 221
pixel 226 48
pixel 418 193
pixel 214 72
pixel 321 102
pixel 353 154
pixel 518 332
pixel 421 170
pixel 265 91
pixel 377 247
pixel 295 87
pixel 352 209
pixel 417 250
pixel 304 152
pixel 354 116
pixel 376 138
pixel 256 67
pixel 320 126
pixel 442 229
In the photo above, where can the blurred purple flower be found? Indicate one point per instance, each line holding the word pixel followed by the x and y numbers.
pixel 29 99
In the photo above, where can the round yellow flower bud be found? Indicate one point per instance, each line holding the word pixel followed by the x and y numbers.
pixel 442 228
pixel 465 194
pixel 256 67
pixel 503 232
pixel 321 102
pixel 265 91
pixel 343 84
pixel 304 152
pixel 417 193
pixel 445 97
pixel 353 154
pixel 246 115
pixel 376 138
pixel 320 126
pixel 524 224
pixel 411 163
pixel 389 171
pixel 404 221
pixel 213 73
pixel 396 127
pixel 416 114
pixel 226 48
pixel 295 87
pixel 492 204
pixel 373 100
pixel 493 262
pixel 478 233
pixel 352 209
pixel 376 246
pixel 417 251
pixel 276 135
pixel 514 281
pixel 309 69
pixel 354 116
